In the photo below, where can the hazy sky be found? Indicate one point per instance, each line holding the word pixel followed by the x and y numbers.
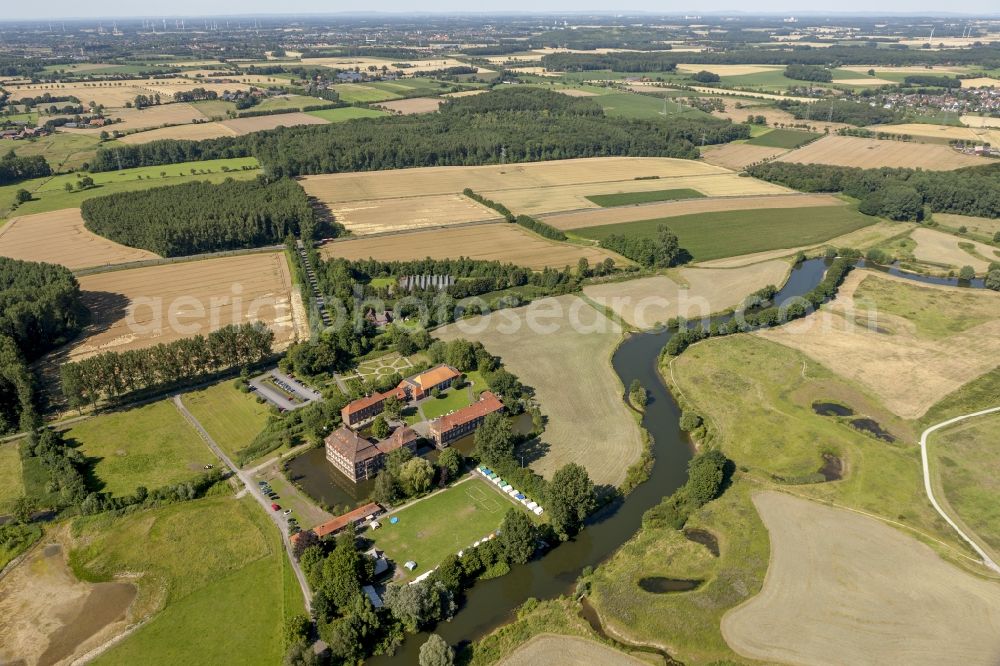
pixel 53 9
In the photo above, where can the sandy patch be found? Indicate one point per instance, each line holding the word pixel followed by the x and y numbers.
pixel 880 359
pixel 696 293
pixel 843 588
pixel 59 237
pixel 940 248
pixel 597 217
pixel 872 153
pixel 489 242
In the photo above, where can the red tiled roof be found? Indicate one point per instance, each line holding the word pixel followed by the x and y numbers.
pixel 351 445
pixel 488 403
pixel 399 438
pixel 342 521
pixel 362 403
pixel 435 376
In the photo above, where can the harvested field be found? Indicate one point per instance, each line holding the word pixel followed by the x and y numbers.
pixel 872 153
pixel 551 344
pixel 490 242
pixel 194 132
pixel 937 247
pixel 115 94
pixel 980 225
pixel 729 70
pixel 737 156
pixel 601 216
pixel 982 82
pixel 575 92
pixel 141 307
pixel 943 133
pixel 755 95
pixel 980 121
pixel 875 593
pixel 465 93
pixel 425 181
pixel 387 215
pixel 179 113
pixel 696 293
pixel 412 105
pixel 546 649
pixel 415 66
pixel 884 335
pixel 59 237
pixel 260 123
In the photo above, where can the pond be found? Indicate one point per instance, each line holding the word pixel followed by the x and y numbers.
pixel 872 427
pixel 832 409
pixel 661 585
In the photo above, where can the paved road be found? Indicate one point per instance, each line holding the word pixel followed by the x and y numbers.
pixel 254 490
pixel 987 560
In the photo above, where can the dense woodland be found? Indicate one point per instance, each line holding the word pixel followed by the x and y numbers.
pixel 662 251
pixel 115 375
pixel 192 218
pixel 808 73
pixel 510 124
pixel 899 194
pixel 841 111
pixel 14 168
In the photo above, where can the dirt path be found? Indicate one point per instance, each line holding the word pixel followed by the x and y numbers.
pixel 280 521
pixel 987 560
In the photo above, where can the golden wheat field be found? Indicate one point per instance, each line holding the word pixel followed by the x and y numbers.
pixel 490 242
pixel 412 105
pixel 387 215
pixel 852 151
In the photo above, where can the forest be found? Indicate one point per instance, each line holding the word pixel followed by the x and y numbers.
pixel 115 375
pixel 660 252
pixel 808 73
pixel 14 169
pixel 899 194
pixel 197 217
pixel 841 111
pixel 510 124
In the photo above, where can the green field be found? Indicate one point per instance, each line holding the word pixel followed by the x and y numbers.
pixel 149 446
pixel 629 198
pixel 448 401
pixel 417 87
pixel 63 151
pixel 773 80
pixel 441 525
pixel 11 481
pixel 287 102
pixel 964 458
pixel 360 92
pixel 782 138
pixel 212 570
pixel 638 106
pixel 935 314
pixel 231 417
pixel 346 113
pixel 731 233
pixel 50 193
pixel 215 107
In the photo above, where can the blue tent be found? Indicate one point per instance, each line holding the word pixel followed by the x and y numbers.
pixel 394 520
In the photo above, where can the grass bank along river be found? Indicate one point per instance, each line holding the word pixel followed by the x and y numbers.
pixel 491 603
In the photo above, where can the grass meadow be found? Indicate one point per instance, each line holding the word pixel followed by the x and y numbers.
pixel 11 479
pixel 346 113
pixel 149 446
pixel 731 233
pixel 448 401
pixel 360 92
pixel 212 571
pixel 639 106
pixel 441 525
pixel 630 198
pixel 63 151
pixel 782 138
pixel 231 417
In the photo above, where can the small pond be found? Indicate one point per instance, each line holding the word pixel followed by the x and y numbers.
pixel 872 427
pixel 833 467
pixel 704 537
pixel 662 585
pixel 832 409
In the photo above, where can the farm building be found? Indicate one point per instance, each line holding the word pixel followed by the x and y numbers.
pixel 460 423
pixel 416 387
pixel 358 517
pixel 361 458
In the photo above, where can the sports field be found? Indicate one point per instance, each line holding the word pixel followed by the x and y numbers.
pixel 782 138
pixel 141 307
pixel 874 592
pixel 730 233
pixel 59 237
pixel 441 525
pixel 872 153
pixel 490 242
pixel 551 344
pixel 880 328
pixel 696 292
pixel 231 417
pixel 597 217
pixel 630 198
pixel 151 446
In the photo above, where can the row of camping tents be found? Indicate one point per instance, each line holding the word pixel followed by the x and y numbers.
pixel 495 479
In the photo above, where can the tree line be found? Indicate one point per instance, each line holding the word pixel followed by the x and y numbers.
pixel 513 125
pixel 116 375
pixel 616 62
pixel 896 193
pixel 14 169
pixel 526 221
pixel 197 217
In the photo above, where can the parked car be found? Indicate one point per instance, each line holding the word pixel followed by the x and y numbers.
pixel 286 512
pixel 275 507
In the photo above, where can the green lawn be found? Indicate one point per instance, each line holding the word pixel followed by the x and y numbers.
pixel 629 198
pixel 448 401
pixel 360 92
pixel 783 138
pixel 11 480
pixel 214 572
pixel 149 446
pixel 730 233
pixel 346 113
pixel 964 458
pixel 231 417
pixel 637 106
pixel 50 193
pixel 441 525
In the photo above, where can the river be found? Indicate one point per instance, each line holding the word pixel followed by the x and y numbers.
pixel 490 604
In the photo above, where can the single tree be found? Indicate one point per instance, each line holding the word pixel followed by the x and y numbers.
pixel 416 476
pixel 967 273
pixel 380 428
pixel 570 499
pixel 495 440
pixel 517 536
pixel 436 652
